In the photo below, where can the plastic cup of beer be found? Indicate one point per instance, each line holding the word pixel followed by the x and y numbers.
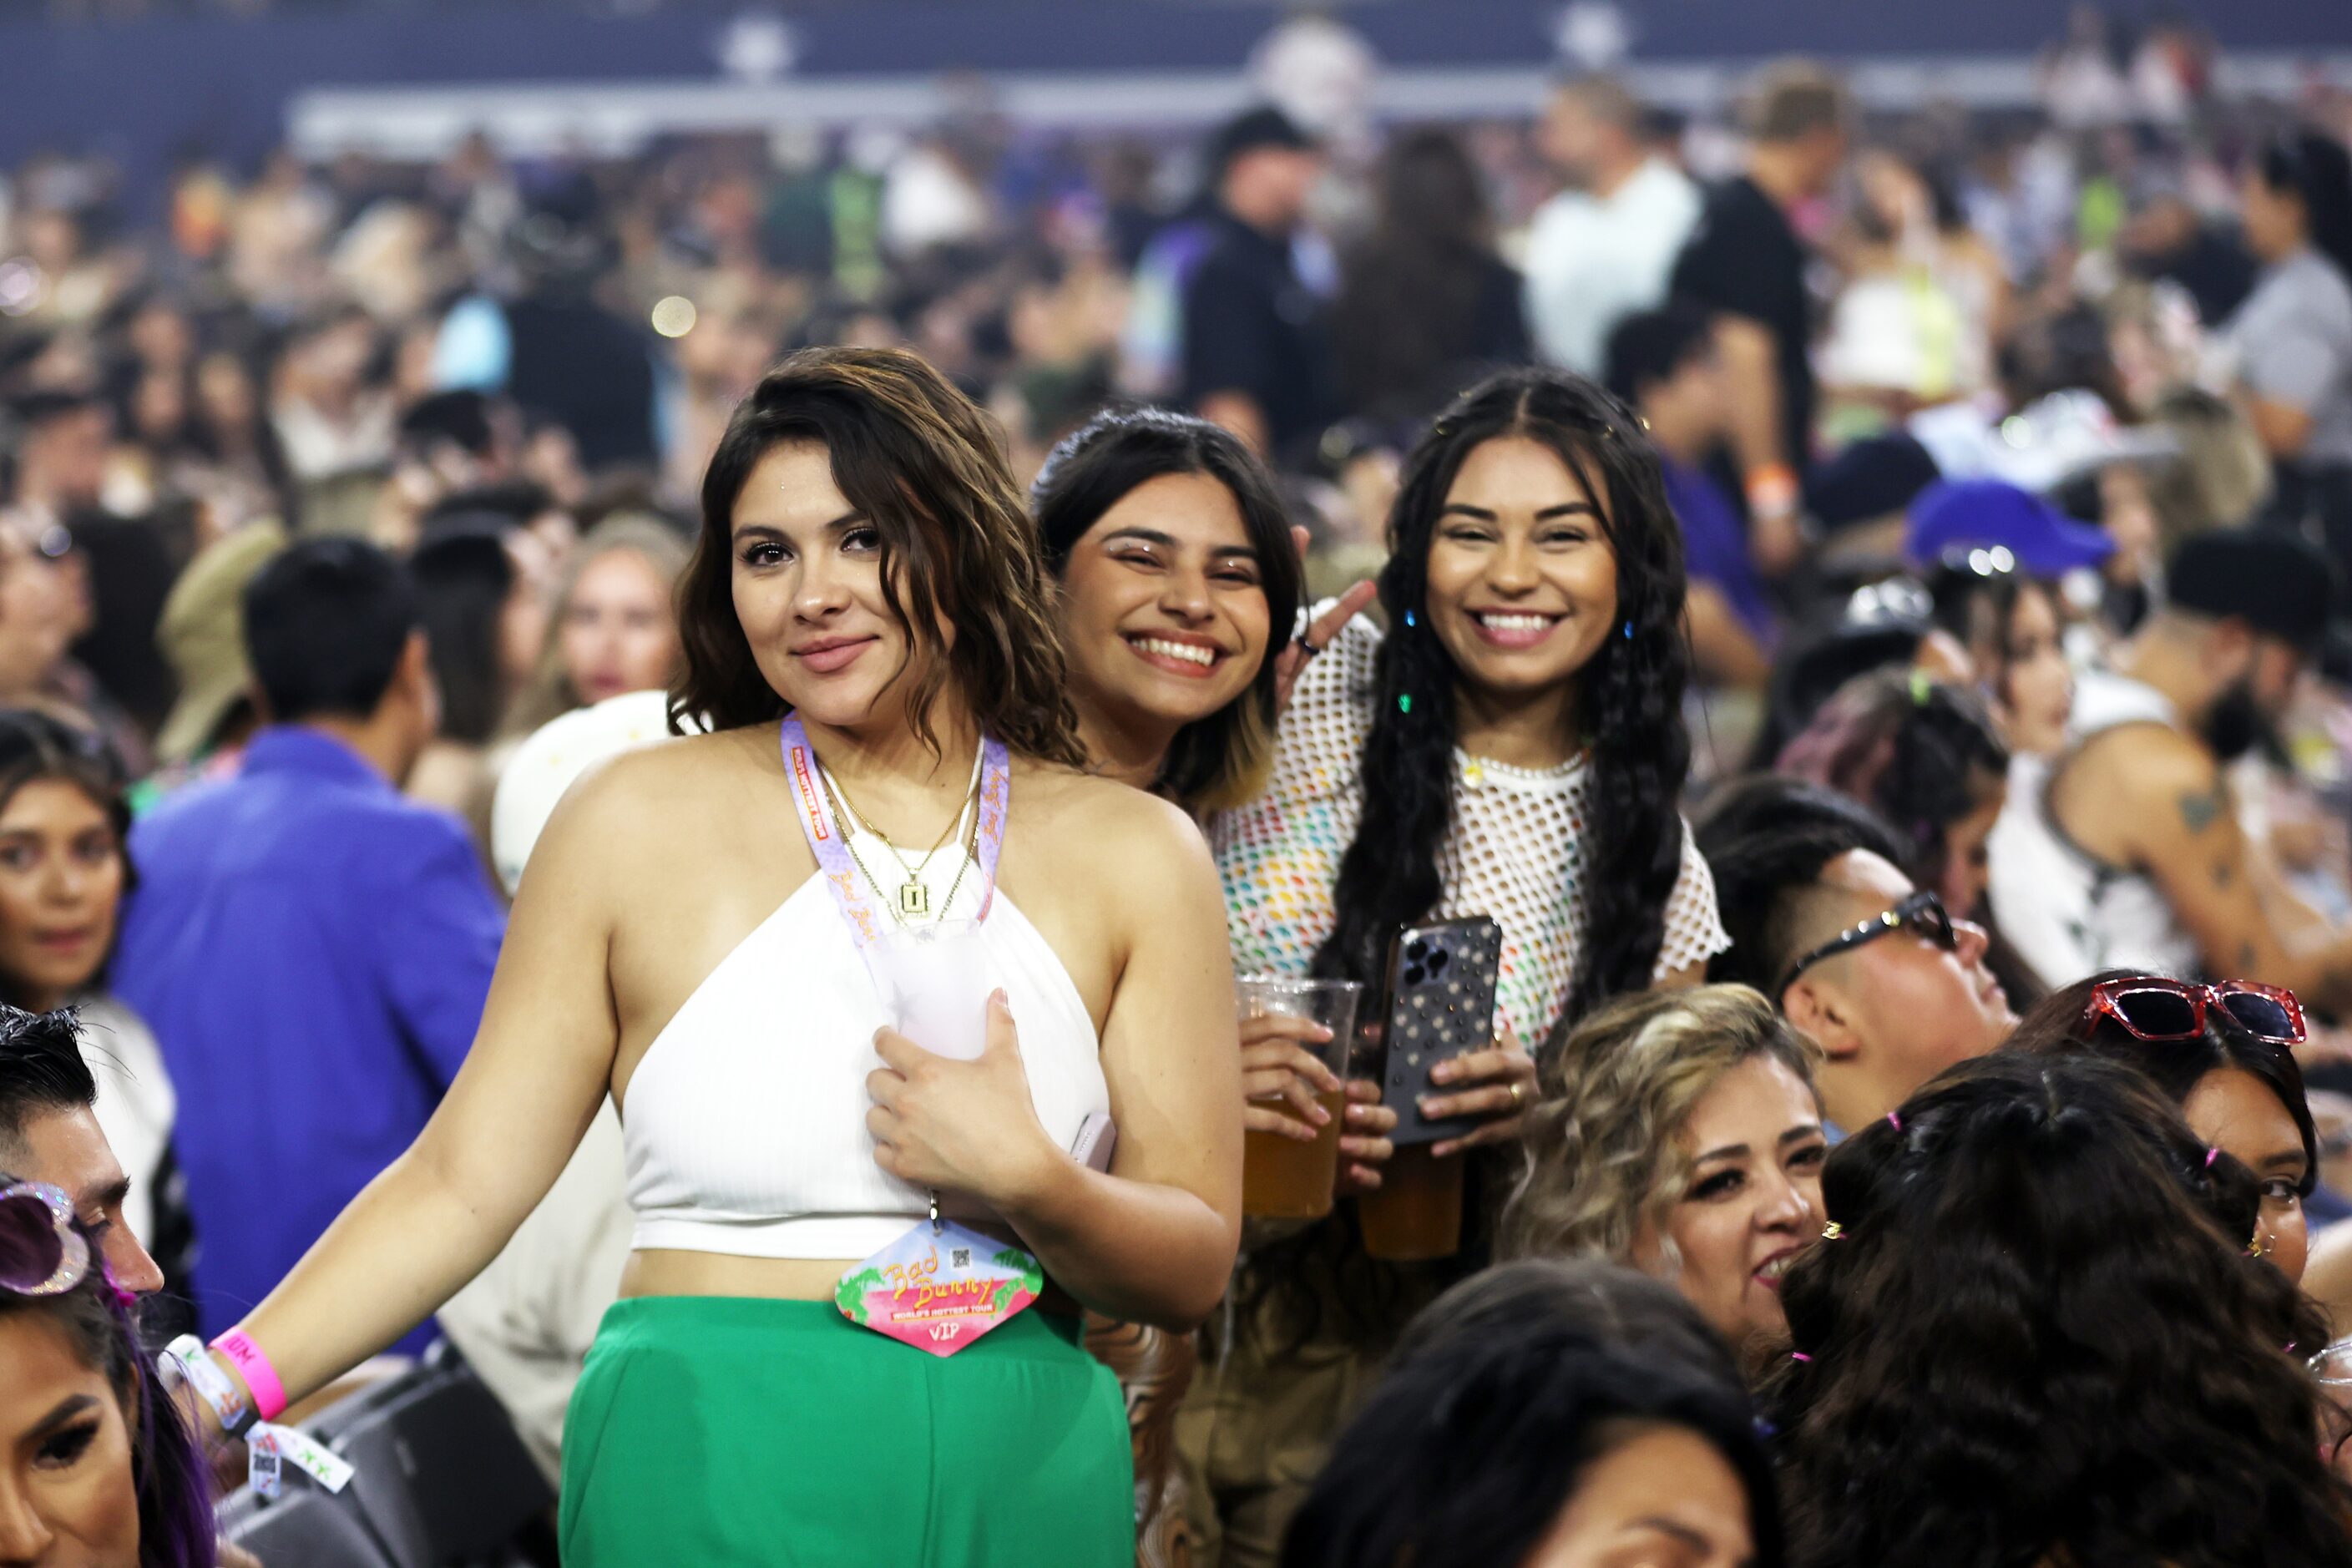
pixel 1415 1214
pixel 2331 1368
pixel 1287 1178
pixel 934 979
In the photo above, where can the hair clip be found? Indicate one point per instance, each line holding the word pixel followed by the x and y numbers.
pixel 1922 688
pixel 1404 703
pixel 2211 1155
pixel 1895 1121
pixel 1799 1355
pixel 1629 631
pixel 1411 619
pixel 1833 1231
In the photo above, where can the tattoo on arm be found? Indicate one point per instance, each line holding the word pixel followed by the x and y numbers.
pixel 2200 807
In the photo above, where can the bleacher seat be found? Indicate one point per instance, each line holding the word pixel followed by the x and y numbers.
pixel 306 1528
pixel 442 1479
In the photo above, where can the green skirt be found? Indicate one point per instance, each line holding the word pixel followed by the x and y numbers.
pixel 720 1429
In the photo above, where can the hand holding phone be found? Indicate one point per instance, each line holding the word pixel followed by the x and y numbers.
pixel 1442 981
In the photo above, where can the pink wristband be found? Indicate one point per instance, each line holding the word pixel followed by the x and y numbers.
pixel 260 1377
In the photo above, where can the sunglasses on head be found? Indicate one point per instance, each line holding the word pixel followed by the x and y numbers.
pixel 1922 912
pixel 2152 1008
pixel 41 1253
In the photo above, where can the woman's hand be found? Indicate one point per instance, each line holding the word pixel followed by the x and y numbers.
pixel 1278 1071
pixel 1499 1084
pixel 958 1126
pixel 1364 1145
pixel 1319 632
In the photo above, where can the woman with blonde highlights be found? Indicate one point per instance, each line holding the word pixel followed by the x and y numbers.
pixel 615 627
pixel 714 932
pixel 1679 1131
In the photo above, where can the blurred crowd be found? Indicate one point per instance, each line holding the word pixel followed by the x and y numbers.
pixel 2012 456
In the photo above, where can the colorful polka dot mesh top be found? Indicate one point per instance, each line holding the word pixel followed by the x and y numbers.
pixel 1516 850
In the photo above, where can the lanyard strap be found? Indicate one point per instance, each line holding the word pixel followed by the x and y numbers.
pixel 860 904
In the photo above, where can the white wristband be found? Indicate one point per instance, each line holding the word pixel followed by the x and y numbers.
pixel 213 1385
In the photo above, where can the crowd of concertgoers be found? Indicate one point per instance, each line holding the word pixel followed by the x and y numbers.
pixel 1865 606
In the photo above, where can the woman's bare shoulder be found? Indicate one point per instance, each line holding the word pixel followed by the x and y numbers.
pixel 1085 821
pixel 1091 805
pixel 659 795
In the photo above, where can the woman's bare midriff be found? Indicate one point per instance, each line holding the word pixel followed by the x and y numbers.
pixel 715 1274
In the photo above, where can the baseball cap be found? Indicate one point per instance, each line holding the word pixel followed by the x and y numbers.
pixel 202 636
pixel 1952 513
pixel 2278 583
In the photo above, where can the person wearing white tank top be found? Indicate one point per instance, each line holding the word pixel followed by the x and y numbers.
pixel 2147 866
pixel 866 611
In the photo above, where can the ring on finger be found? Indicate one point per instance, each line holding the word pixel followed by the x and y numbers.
pixel 1519 1096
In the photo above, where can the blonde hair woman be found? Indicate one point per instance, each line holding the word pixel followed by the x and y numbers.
pixel 612 629
pixel 1679 1131
pixel 614 626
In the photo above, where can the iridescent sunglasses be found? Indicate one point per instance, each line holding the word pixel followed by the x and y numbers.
pixel 41 1253
pixel 2152 1008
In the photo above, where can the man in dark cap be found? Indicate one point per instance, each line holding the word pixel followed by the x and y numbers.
pixel 1255 359
pixel 2133 855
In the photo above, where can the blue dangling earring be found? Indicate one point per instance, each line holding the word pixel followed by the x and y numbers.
pixel 1629 631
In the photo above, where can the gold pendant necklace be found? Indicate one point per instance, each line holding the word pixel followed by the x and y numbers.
pixel 914 896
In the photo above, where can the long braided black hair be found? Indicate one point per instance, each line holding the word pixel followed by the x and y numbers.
pixel 1629 705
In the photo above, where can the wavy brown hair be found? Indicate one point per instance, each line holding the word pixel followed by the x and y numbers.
pixel 923 465
pixel 1604 1141
pixel 2039 1340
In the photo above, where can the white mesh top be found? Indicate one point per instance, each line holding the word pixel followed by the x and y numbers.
pixel 1515 851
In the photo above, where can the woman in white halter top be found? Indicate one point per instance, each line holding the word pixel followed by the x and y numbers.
pixel 866 577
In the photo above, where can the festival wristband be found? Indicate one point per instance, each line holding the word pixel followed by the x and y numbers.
pixel 272 1447
pixel 268 1393
pixel 212 1385
pixel 1773 490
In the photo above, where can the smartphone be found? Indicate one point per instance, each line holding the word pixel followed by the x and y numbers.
pixel 1440 1004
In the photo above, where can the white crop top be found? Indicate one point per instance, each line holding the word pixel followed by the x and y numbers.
pixel 745 1122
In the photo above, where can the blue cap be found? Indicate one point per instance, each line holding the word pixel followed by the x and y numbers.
pixel 1956 513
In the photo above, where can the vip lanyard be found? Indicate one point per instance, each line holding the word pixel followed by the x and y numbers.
pixel 941 1285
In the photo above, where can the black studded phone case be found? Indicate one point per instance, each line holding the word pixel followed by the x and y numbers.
pixel 1441 1003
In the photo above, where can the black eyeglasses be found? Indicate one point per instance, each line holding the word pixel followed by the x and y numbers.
pixel 1922 912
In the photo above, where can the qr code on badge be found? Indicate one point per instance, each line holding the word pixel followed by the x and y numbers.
pixel 960 1258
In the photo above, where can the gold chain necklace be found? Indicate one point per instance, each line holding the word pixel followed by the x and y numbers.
pixel 841 795
pixel 914 894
